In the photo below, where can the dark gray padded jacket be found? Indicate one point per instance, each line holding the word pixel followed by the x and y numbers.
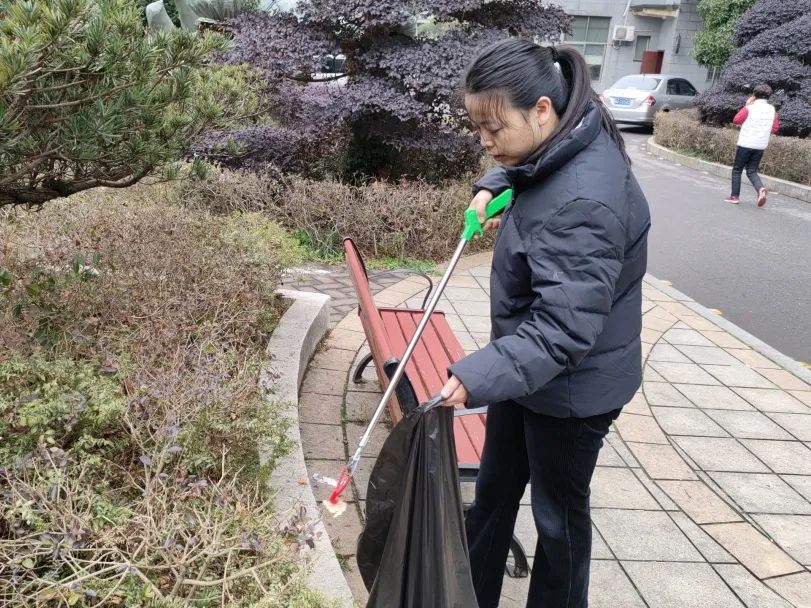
pixel 566 282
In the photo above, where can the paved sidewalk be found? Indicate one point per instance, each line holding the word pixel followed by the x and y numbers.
pixel 702 495
pixel 334 281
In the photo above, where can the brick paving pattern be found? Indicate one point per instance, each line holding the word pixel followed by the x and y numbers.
pixel 334 281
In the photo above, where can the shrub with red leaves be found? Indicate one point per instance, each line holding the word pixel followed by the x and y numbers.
pixel 395 110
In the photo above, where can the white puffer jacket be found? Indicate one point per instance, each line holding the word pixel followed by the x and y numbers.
pixel 758 125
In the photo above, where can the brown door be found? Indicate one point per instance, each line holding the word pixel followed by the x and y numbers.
pixel 652 62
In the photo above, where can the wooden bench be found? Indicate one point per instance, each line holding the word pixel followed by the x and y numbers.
pixel 388 332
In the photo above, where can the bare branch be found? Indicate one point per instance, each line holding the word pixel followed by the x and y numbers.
pixel 33 163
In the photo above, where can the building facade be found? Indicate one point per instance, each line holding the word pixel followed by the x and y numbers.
pixel 615 34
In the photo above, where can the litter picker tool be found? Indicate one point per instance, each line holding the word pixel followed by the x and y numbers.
pixel 472 228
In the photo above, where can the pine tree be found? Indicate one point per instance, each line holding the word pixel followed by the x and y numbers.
pixel 714 43
pixel 87 100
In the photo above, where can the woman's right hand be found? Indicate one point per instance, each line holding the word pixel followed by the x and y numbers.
pixel 479 203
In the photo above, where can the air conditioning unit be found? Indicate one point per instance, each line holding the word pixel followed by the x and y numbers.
pixel 624 33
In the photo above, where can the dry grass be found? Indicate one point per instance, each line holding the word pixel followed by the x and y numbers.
pixel 131 336
pixel 386 220
pixel 786 158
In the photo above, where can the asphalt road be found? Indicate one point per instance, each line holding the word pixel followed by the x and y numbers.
pixel 754 265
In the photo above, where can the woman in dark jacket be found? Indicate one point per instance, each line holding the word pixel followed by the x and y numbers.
pixel 566 296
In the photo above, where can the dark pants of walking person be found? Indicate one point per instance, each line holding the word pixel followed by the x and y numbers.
pixel 749 159
pixel 557 456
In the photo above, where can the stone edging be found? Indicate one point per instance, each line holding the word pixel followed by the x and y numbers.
pixel 741 334
pixel 288 352
pixel 774 184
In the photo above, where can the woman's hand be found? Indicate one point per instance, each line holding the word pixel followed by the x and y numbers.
pixel 479 203
pixel 453 392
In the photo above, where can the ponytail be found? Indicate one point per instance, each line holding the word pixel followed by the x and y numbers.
pixel 577 75
pixel 524 72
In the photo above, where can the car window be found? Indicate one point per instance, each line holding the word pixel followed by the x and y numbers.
pixel 673 87
pixel 639 83
pixel 333 64
pixel 685 88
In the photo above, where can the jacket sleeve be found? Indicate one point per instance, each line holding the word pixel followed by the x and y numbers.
pixel 495 180
pixel 741 116
pixel 575 261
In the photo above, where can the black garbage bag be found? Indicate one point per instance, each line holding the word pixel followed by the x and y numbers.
pixel 413 551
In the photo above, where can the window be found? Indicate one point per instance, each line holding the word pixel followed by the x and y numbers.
pixel 685 88
pixel 713 73
pixel 641 45
pixel 679 86
pixel 590 36
pixel 333 64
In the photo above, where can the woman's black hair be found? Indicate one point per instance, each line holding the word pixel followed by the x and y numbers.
pixel 523 72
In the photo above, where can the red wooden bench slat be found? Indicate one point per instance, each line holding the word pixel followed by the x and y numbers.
pixel 367 309
pixel 467 452
pixel 370 319
pixel 431 360
pixel 441 360
pixel 426 379
pixel 399 342
pixel 445 351
pixel 422 356
pixel 474 426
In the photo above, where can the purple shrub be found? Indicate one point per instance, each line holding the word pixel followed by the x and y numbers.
pixel 396 112
pixel 792 38
pixel 781 72
pixel 767 15
pixel 795 116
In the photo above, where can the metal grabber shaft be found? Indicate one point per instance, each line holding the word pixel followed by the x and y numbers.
pixel 472 227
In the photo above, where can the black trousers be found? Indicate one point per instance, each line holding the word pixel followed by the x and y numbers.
pixel 749 159
pixel 558 456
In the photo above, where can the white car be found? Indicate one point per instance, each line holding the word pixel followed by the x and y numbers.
pixel 332 72
pixel 636 99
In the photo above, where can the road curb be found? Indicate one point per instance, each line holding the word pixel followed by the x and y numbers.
pixel 774 184
pixel 744 336
pixel 289 350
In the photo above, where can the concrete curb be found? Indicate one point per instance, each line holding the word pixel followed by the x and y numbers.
pixel 288 352
pixel 744 336
pixel 774 184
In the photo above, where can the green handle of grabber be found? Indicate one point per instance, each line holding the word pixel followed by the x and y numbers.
pixel 494 207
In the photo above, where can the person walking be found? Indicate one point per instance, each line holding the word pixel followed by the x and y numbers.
pixel 566 298
pixel 758 121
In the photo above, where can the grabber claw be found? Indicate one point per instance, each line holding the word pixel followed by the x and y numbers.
pixel 334 504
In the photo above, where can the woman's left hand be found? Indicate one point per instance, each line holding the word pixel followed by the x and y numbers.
pixel 453 392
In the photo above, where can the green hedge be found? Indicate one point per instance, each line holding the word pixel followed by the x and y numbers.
pixel 786 158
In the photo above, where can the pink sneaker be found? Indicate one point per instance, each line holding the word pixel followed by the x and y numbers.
pixel 732 199
pixel 761 197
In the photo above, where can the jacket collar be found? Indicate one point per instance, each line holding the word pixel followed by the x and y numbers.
pixel 539 166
